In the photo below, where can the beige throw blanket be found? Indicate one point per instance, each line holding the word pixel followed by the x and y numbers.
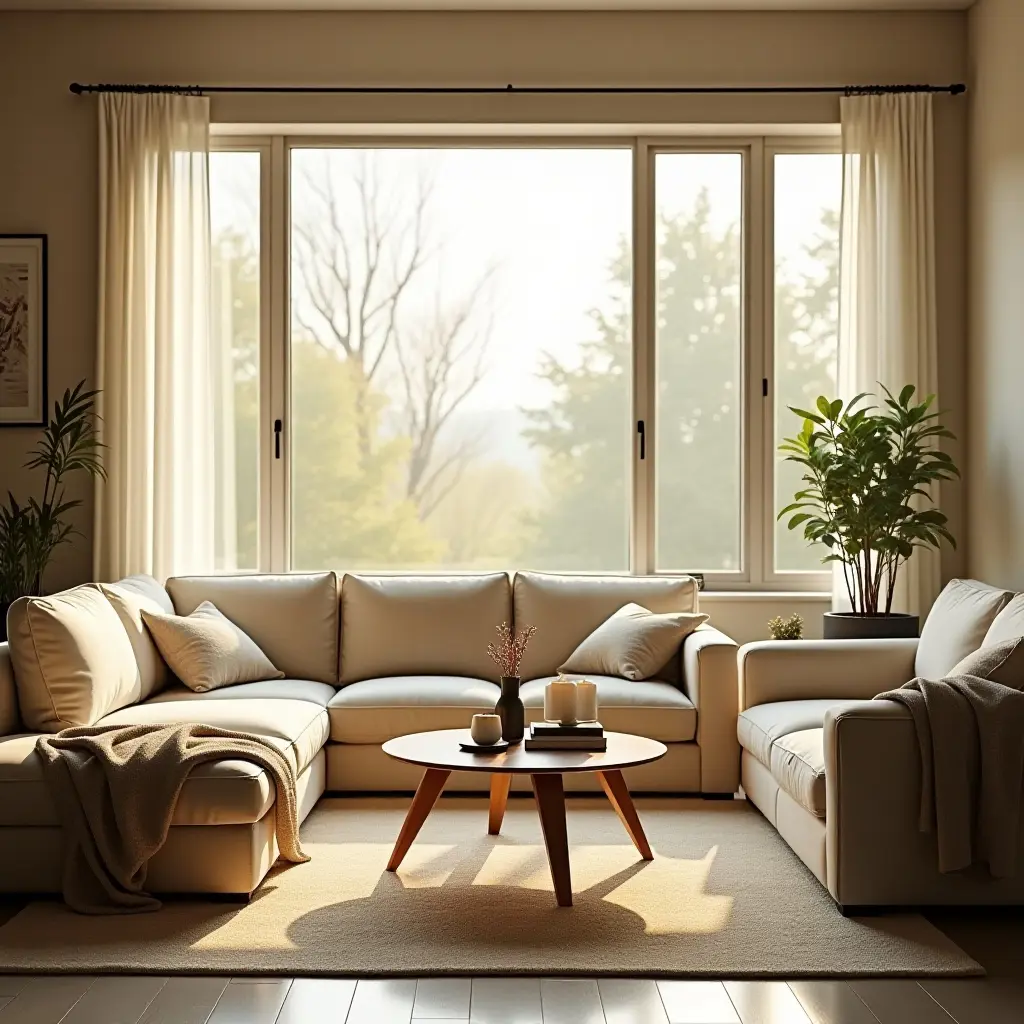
pixel 970 731
pixel 116 789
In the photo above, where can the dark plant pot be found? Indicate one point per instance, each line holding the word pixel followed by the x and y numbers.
pixel 850 626
pixel 510 709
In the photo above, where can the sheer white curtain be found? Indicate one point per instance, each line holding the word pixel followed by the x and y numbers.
pixel 887 318
pixel 154 512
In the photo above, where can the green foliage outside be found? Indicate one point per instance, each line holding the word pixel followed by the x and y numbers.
pixel 353 511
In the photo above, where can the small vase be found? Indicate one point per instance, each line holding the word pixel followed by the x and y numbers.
pixel 510 709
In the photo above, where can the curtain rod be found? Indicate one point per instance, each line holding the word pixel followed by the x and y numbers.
pixel 476 90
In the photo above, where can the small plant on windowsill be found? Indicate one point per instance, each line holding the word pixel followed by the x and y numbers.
pixel 31 531
pixel 791 628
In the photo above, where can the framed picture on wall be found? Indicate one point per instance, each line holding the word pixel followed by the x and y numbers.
pixel 22 330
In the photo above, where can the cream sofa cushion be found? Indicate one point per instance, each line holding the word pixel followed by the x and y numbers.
pixel 73 661
pixel 215 793
pixel 298 728
pixel 650 707
pixel 206 650
pixel 567 609
pixel 292 618
pixel 956 625
pixel 633 643
pixel 1008 624
pixel 421 625
pixel 376 710
pixel 9 716
pixel 271 689
pixel 130 597
pixel 760 726
pixel 798 766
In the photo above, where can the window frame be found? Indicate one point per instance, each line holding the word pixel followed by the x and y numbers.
pixel 757 572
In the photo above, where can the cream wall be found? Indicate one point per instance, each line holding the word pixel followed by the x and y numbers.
pixel 996 360
pixel 48 155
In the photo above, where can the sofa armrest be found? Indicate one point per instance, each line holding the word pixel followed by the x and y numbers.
pixel 875 851
pixel 9 719
pixel 777 670
pixel 709 679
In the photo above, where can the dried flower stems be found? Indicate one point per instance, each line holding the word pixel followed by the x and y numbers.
pixel 508 653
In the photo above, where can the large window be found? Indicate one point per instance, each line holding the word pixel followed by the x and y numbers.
pixel 489 355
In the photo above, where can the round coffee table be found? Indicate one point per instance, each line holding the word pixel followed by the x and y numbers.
pixel 438 752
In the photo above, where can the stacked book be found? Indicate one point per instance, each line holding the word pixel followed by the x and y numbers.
pixel 587 736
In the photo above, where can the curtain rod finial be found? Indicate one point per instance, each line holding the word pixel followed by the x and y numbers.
pixel 958 89
pixel 77 88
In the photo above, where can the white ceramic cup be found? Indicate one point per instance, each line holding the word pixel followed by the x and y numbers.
pixel 586 700
pixel 560 701
pixel 485 729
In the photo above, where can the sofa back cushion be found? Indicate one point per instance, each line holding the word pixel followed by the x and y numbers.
pixel 956 625
pixel 1008 624
pixel 73 661
pixel 421 625
pixel 292 618
pixel 131 597
pixel 567 609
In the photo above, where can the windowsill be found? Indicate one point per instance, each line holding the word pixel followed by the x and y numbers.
pixel 766 595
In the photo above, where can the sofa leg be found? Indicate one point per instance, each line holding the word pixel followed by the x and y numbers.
pixel 717 796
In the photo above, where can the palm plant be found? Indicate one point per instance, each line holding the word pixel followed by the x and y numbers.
pixel 30 532
pixel 867 499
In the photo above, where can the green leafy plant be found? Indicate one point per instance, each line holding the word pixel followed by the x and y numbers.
pixel 791 628
pixel 31 531
pixel 867 473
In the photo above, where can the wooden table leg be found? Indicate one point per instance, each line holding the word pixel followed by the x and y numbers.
pixel 615 788
pixel 500 783
pixel 426 796
pixel 551 804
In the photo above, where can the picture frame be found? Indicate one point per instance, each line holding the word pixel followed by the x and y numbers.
pixel 23 330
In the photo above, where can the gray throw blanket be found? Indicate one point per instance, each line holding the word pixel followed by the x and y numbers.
pixel 970 730
pixel 116 788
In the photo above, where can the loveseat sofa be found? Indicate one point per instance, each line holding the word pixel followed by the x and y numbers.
pixel 365 658
pixel 839 774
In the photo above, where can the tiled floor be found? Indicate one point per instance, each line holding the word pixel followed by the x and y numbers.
pixel 995 939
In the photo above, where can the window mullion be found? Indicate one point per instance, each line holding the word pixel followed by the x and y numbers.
pixel 642 497
pixel 276 353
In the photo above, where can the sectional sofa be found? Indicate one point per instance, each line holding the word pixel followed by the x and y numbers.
pixel 365 658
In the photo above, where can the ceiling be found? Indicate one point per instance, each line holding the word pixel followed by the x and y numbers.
pixel 483 5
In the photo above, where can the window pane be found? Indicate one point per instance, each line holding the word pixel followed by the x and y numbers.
pixel 808 197
pixel 460 358
pixel 235 227
pixel 698 336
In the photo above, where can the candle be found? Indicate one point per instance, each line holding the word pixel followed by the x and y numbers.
pixel 560 701
pixel 586 700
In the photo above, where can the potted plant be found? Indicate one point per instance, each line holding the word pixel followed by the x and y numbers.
pixel 867 470
pixel 30 532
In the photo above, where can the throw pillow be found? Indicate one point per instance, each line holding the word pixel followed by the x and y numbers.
pixel 634 643
pixel 206 650
pixel 1002 663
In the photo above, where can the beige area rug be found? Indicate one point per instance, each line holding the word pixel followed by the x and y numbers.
pixel 724 897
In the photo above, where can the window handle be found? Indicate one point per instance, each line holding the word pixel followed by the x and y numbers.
pixel 277 438
pixel 642 431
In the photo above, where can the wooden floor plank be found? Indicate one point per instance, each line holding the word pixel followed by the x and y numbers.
pixel 697 1002
pixel 832 1002
pixel 766 1002
pixel 899 1000
pixel 631 1001
pixel 45 1000
pixel 185 1001
pixel 376 1001
pixel 250 1004
pixel 442 998
pixel 571 1001
pixel 312 1000
pixel 505 1001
